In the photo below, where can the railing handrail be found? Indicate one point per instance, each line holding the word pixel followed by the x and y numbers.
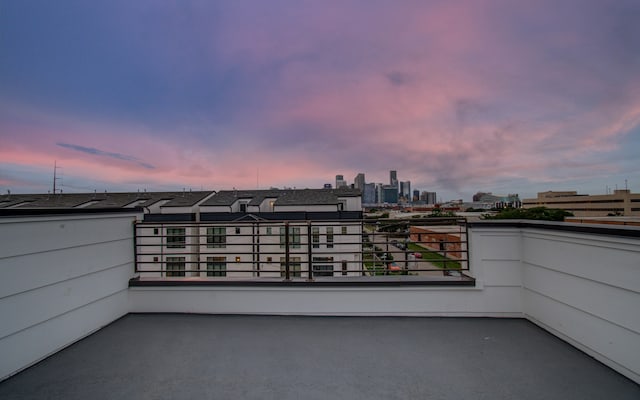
pixel 324 252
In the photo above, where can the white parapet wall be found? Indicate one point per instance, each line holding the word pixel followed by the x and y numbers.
pixel 585 288
pixel 579 282
pixel 63 277
pixel 66 276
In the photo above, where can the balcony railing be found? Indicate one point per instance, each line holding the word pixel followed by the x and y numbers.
pixel 301 250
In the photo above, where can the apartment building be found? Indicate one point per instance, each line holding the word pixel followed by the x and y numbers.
pixel 620 202
pixel 256 233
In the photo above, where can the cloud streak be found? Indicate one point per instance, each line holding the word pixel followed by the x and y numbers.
pixel 101 153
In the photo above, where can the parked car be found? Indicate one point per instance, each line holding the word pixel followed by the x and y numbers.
pixel 394 267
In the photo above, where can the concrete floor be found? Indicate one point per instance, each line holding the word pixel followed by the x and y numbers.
pixel 169 356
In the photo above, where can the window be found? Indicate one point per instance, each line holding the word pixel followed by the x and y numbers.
pixel 269 231
pixel 294 267
pixel 315 237
pixel 329 237
pixel 344 267
pixel 175 266
pixel 294 237
pixel 155 231
pixel 175 238
pixel 216 237
pixel 324 269
pixel 243 207
pixel 216 266
pixel 237 230
pixel 344 230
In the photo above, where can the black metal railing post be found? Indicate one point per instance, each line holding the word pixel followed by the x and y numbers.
pixel 309 253
pixel 135 246
pixel 287 271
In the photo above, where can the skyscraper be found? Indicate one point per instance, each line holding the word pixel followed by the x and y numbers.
pixel 340 182
pixel 393 178
pixel 359 182
pixel 369 193
pixel 389 194
pixel 405 190
pixel 428 197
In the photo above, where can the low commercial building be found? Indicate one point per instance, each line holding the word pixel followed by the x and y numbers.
pixel 445 240
pixel 619 203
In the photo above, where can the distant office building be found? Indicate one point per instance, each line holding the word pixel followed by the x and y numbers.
pixel 428 197
pixel 393 178
pixel 358 181
pixel 405 190
pixel 340 182
pixel 389 194
pixel 621 202
pixel 416 195
pixel 369 193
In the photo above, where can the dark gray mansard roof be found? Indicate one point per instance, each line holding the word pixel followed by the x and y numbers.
pixel 101 200
pixel 174 199
pixel 282 197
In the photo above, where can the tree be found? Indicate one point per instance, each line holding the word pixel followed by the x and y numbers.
pixel 537 213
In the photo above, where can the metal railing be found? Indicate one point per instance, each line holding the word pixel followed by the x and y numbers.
pixel 301 250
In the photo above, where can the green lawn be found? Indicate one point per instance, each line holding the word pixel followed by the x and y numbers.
pixel 433 257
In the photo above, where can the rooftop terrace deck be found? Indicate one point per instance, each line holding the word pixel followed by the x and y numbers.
pixel 181 356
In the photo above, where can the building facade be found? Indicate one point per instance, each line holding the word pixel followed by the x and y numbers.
pixel 340 182
pixel 620 203
pixel 306 233
pixel 428 197
pixel 393 178
pixel 369 193
pixel 359 182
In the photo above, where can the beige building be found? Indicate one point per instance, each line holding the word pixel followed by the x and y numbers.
pixel 621 202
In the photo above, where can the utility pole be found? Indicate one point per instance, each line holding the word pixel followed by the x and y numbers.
pixel 55 175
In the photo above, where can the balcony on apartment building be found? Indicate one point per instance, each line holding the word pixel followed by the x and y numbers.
pixel 104 305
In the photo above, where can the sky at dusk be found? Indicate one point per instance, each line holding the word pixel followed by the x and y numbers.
pixel 457 96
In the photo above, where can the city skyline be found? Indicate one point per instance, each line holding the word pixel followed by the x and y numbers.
pixel 458 97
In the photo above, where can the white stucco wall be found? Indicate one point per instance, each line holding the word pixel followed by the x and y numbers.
pixel 497 294
pixel 582 287
pixel 585 288
pixel 63 277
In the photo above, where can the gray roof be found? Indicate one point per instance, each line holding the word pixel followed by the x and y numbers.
pixel 175 199
pixel 283 197
pixel 100 200
pixel 228 197
pixel 301 357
